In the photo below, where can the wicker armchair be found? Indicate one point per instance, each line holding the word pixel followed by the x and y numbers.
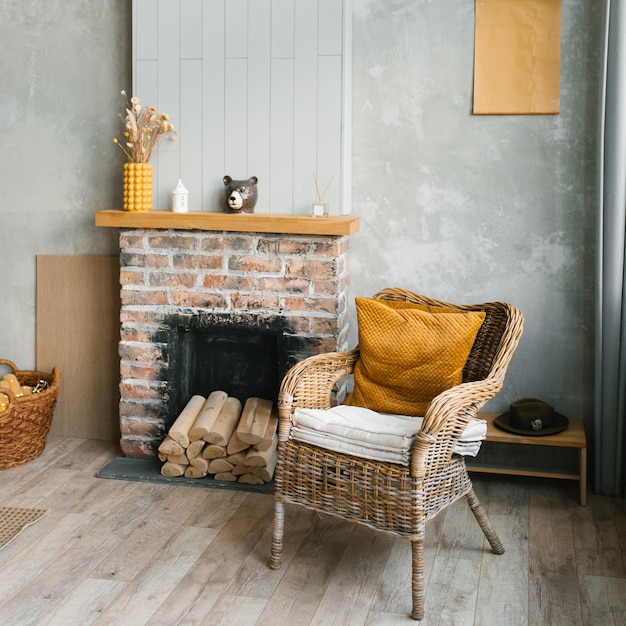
pixel 386 496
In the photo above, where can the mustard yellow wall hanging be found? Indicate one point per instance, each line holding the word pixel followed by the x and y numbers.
pixel 517 57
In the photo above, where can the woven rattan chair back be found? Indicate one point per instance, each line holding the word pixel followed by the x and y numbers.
pixel 389 497
pixel 488 339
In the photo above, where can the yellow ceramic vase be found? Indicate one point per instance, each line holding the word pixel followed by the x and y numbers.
pixel 137 187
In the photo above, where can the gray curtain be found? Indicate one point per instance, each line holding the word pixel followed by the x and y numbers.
pixel 610 366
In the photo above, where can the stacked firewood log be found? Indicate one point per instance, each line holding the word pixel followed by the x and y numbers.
pixel 215 436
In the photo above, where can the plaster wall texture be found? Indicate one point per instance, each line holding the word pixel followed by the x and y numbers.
pixel 476 208
pixel 62 66
pixel 460 207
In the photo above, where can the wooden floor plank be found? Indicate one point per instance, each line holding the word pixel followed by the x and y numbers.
pixel 304 580
pixel 456 565
pixel 16 479
pixel 98 537
pixel 252 579
pixel 353 587
pixel 84 603
pixel 613 563
pixel 619 515
pixel 503 584
pixel 597 542
pixel 217 510
pixel 34 492
pixel 390 619
pixel 20 597
pixel 393 594
pixel 553 580
pixel 218 564
pixel 506 495
pixel 453 577
pixel 152 585
pixel 246 608
pixel 461 535
pixel 96 500
pixel 90 455
pixel 595 605
pixel 616 592
pixel 132 554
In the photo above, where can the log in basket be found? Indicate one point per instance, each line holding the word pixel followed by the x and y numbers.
pixel 25 423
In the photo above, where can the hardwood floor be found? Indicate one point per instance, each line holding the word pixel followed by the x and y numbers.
pixel 131 553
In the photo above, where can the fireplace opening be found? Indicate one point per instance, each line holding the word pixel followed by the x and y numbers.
pixel 243 355
pixel 241 362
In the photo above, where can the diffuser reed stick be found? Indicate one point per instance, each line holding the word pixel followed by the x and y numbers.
pixel 320 196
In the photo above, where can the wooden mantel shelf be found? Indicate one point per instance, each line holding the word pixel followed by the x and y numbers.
pixel 248 222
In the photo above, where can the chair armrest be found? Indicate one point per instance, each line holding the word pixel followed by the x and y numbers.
pixel 445 420
pixel 463 400
pixel 310 383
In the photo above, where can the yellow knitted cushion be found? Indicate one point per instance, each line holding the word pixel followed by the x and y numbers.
pixel 409 355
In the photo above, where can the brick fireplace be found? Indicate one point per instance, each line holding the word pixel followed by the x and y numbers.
pixel 277 281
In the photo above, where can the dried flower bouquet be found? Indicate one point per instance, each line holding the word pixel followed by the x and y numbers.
pixel 143 127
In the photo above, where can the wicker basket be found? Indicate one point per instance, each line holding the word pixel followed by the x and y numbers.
pixel 25 423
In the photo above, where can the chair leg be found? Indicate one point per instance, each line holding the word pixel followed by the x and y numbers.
pixel 417 581
pixel 277 536
pixel 483 521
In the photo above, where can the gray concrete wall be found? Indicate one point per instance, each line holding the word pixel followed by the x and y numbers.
pixel 459 207
pixel 62 66
pixel 475 208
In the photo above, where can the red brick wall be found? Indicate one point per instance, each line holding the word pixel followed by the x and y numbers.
pixel 248 277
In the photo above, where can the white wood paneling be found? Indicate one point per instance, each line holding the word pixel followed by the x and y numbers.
pixel 236 117
pixel 346 115
pixel 330 32
pixel 255 87
pixel 281 136
pixel 329 127
pixel 191 29
pixel 145 83
pixel 283 27
pixel 190 136
pixel 168 98
pixel 259 68
pixel 236 28
pixel 145 39
pixel 213 104
pixel 146 80
pixel 305 106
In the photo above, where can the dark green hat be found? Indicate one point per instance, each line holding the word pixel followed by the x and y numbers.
pixel 529 416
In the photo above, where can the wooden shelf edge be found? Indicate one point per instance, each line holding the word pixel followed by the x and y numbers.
pixel 249 222
pixel 517 471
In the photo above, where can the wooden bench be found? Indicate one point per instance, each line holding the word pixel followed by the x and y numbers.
pixel 572 437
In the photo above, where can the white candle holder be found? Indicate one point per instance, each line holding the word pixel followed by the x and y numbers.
pixel 180 198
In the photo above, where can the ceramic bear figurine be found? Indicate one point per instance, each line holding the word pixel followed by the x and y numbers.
pixel 240 195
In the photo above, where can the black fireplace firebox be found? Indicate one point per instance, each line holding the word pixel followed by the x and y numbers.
pixel 244 355
pixel 241 362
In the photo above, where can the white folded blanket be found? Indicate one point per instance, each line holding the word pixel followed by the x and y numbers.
pixel 371 435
